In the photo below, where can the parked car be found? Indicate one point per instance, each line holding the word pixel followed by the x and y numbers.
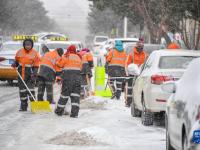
pixel 183 109
pixel 99 40
pixel 162 65
pixel 8 51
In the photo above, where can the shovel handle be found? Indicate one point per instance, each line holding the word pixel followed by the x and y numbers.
pixel 25 85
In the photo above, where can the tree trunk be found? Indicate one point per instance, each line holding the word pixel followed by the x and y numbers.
pixel 197 46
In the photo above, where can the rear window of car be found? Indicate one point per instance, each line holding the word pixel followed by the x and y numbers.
pixel 175 62
pixel 54 46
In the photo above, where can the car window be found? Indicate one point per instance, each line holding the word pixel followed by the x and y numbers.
pixel 101 39
pixel 175 62
pixel 11 47
pixel 56 45
pixel 149 61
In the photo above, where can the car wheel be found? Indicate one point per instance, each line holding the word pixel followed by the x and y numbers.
pixel 147 117
pixel 185 142
pixel 168 144
pixel 159 119
pixel 10 82
pixel 134 111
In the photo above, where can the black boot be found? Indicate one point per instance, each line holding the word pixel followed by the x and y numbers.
pixel 59 111
pixel 23 108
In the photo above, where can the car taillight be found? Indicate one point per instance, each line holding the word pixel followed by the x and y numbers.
pixel 160 79
pixel 198 114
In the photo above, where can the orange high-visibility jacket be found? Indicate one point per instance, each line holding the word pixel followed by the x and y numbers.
pixel 49 60
pixel 136 57
pixel 29 58
pixel 116 58
pixel 87 58
pixel 71 62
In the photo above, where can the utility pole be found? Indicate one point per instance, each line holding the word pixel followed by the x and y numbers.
pixel 125 26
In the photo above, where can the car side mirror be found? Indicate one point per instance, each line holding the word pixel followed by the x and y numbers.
pixel 133 69
pixel 169 87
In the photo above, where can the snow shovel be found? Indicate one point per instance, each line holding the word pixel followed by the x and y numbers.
pixel 90 86
pixel 36 106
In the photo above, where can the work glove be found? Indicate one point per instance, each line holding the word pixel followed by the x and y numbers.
pixel 34 71
pixel 58 80
pixel 33 77
pixel 15 64
pixel 2 59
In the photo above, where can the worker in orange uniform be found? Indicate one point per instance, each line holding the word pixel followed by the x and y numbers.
pixel 86 72
pixel 47 74
pixel 27 60
pixel 116 68
pixel 173 45
pixel 138 57
pixel 71 65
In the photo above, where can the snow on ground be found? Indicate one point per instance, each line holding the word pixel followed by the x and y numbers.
pixel 103 124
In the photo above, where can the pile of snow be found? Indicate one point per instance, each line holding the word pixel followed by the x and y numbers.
pixel 87 136
pixel 93 102
pixel 73 138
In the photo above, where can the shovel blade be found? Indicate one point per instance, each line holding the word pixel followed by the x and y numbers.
pixel 40 106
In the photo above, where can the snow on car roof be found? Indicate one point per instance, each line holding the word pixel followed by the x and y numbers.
pixel 126 39
pixel 168 52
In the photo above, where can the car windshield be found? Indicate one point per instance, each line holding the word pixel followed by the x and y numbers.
pixel 11 47
pixel 175 62
pixel 101 39
pixel 56 45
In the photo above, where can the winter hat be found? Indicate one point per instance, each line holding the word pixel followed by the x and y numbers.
pixel 140 43
pixel 30 40
pixel 119 45
pixel 71 49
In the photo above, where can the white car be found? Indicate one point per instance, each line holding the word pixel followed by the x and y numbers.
pixel 99 40
pixel 161 66
pixel 183 110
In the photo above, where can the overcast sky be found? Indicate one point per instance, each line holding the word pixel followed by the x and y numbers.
pixel 71 15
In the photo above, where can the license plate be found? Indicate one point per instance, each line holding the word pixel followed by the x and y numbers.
pixel 11 61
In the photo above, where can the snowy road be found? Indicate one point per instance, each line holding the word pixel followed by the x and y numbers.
pixel 103 124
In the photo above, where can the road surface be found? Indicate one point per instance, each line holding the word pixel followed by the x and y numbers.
pixel 103 124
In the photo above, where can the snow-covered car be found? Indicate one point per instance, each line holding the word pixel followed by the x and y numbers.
pixel 183 110
pixel 8 51
pixel 162 65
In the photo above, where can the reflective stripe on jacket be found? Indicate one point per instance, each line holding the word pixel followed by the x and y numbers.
pixel 116 58
pixel 71 62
